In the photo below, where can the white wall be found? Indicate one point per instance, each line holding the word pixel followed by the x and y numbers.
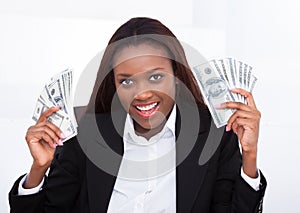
pixel 39 39
pixel 266 33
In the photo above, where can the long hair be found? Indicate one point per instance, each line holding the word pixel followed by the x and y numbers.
pixel 134 32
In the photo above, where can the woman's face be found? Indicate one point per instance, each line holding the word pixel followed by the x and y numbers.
pixel 145 84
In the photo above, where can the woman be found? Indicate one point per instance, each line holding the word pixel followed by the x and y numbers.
pixel 140 140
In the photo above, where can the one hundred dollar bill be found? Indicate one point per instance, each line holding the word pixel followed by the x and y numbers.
pixel 215 79
pixel 215 92
pixel 59 118
pixel 58 93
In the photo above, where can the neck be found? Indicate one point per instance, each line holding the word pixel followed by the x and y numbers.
pixel 148 133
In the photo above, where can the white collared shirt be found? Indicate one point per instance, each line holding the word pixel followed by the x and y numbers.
pixel 146 180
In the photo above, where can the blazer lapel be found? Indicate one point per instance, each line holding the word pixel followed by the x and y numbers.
pixel 189 174
pixel 106 155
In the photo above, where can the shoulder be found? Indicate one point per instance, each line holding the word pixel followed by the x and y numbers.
pixel 70 156
pixel 91 124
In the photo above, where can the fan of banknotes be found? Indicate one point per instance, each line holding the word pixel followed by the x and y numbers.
pixel 58 93
pixel 215 79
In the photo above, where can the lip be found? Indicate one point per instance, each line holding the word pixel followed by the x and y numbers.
pixel 146 113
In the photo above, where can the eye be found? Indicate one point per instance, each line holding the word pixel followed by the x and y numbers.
pixel 126 82
pixel 156 77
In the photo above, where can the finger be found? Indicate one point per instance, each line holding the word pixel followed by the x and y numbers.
pixel 234 105
pixel 239 114
pixel 234 127
pixel 47 113
pixel 240 130
pixel 52 146
pixel 40 131
pixel 245 123
pixel 45 127
pixel 247 95
pixel 53 127
pixel 42 137
pixel 45 142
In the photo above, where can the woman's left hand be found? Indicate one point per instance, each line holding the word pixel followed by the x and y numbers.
pixel 245 123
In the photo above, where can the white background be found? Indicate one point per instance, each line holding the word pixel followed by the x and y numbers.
pixel 40 38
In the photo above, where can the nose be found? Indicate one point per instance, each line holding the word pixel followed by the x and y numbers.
pixel 143 93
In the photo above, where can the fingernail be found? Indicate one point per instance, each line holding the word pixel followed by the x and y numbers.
pixel 54 145
pixel 217 107
pixel 62 135
pixel 220 106
pixel 227 128
pixel 60 142
pixel 57 107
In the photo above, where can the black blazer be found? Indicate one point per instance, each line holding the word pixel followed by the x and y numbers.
pixel 76 184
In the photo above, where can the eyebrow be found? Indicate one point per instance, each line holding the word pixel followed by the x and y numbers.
pixel 148 72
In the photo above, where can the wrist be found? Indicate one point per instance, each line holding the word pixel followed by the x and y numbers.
pixel 36 166
pixel 41 163
pixel 250 153
pixel 35 176
pixel 249 149
pixel 250 164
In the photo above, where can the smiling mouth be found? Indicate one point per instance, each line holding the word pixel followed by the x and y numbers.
pixel 147 110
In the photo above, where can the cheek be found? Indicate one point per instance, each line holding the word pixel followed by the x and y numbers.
pixel 169 89
pixel 167 93
pixel 125 98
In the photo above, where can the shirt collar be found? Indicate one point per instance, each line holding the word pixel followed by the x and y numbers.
pixel 129 132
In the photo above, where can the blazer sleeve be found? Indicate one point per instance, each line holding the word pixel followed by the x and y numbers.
pixel 231 192
pixel 61 188
pixel 24 203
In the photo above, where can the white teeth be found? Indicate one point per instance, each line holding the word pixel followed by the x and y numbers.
pixel 145 108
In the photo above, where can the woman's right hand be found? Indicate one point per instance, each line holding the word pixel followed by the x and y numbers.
pixel 42 139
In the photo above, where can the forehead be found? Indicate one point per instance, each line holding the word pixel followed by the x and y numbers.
pixel 131 52
pixel 143 65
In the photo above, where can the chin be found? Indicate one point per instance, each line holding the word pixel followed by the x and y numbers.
pixel 149 124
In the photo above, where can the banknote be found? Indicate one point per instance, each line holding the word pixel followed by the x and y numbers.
pixel 227 75
pixel 57 96
pixel 215 91
pixel 40 107
pixel 240 80
pixel 215 79
pixel 58 92
pixel 249 73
